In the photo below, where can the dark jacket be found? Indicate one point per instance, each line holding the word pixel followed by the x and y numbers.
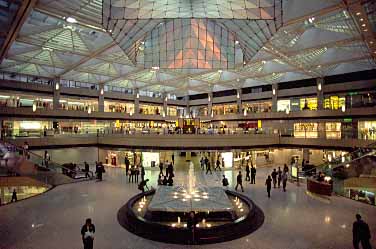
pixel 361 231
pixel 84 229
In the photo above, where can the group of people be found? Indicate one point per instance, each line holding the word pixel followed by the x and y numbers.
pixel 168 177
pixel 277 177
pixel 99 170
pixel 205 164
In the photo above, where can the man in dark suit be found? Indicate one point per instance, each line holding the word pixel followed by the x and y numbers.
pixel 361 233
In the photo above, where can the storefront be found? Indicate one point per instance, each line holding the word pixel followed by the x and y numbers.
pixel 150 159
pixel 115 158
pixel 78 104
pixel 367 130
pixel 227 159
pixel 257 107
pixel 333 130
pixel 283 105
pixel 224 109
pixel 199 111
pixel 334 102
pixel 306 130
pixel 175 111
pixel 27 128
pixel 122 107
pixel 149 109
pixel 12 99
pixel 308 104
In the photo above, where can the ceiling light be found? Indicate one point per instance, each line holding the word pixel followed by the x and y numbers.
pixel 57 86
pixel 71 20
pixel 365 30
pixel 273 91
pixel 319 86
pixel 110 31
pixel 244 63
pixel 371 42
pixel 236 42
pixel 237 80
pixel 363 25
pixel 358 13
pixel 361 19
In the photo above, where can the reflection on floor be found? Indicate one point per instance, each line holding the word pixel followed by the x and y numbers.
pixel 292 219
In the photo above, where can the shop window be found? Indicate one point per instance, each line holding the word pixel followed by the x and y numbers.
pixel 333 130
pixel 306 130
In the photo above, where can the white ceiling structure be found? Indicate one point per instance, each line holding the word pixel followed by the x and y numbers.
pixel 131 43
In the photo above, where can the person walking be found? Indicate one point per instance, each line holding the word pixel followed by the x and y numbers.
pixel 274 177
pixel 239 181
pixel 202 163
pixel 208 168
pixel 284 181
pixel 86 169
pixel 285 168
pixel 87 233
pixel 361 233
pixel 14 196
pixel 206 160
pixel 253 175
pixel 247 171
pixel 46 158
pixel 268 184
pixel 218 165
pixel 279 177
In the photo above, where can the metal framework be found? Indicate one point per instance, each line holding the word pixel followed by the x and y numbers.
pixel 324 38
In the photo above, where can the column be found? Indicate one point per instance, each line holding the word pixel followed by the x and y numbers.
pixel 136 95
pixel 56 90
pixel 101 98
pixel 187 107
pixel 274 97
pixel 165 106
pixel 320 93
pixel 239 99
pixel 210 103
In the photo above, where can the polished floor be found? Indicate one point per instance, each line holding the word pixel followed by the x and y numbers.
pixel 293 220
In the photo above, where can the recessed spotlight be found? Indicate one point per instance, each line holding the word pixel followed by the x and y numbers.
pixel 236 42
pixel 374 52
pixel 244 62
pixel 365 30
pixel 371 42
pixel 363 25
pixel 358 13
pixel 361 19
pixel 71 20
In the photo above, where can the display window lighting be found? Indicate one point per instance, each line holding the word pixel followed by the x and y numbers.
pixel 71 20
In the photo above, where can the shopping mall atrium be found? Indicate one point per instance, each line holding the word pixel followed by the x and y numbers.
pixel 175 124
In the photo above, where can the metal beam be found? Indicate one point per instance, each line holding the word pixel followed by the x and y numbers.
pixel 85 59
pixel 21 16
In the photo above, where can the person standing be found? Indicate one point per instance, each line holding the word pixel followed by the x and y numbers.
pixel 14 196
pixel 223 162
pixel 285 169
pixel 274 177
pixel 87 233
pixel 208 168
pixel 127 163
pixel 247 171
pixel 191 224
pixel 239 181
pixel 206 160
pixel 173 158
pixel 46 158
pixel 268 184
pixel 253 175
pixel 225 181
pixel 100 171
pixel 279 177
pixel 142 173
pixel 131 174
pixel 361 233
pixel 284 181
pixel 136 173
pixel 161 168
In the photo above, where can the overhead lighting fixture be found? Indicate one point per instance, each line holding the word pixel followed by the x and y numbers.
pixel 273 91
pixel 236 42
pixel 361 19
pixel 71 20
pixel 244 62
pixel 137 96
pixel 238 95
pixel 311 19
pixel 365 30
pixel 102 91
pixel 238 80
pixel 363 25
pixel 57 86
pixel 358 13
pixel 319 86
pixel 371 42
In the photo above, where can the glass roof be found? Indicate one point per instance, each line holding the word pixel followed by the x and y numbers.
pixel 128 53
